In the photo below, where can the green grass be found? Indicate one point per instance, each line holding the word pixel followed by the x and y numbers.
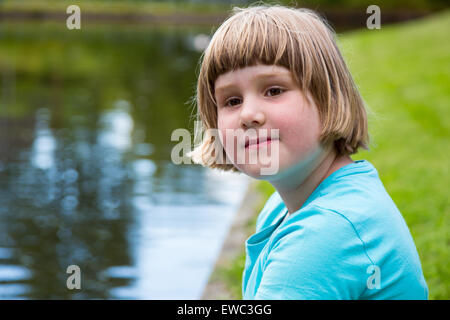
pixel 118 6
pixel 403 72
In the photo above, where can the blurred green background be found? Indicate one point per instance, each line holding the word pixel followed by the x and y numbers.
pixel 146 54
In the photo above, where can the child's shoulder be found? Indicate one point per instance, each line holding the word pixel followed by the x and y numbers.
pixel 354 193
pixel 357 194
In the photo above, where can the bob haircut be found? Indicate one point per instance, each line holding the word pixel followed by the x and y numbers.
pixel 299 40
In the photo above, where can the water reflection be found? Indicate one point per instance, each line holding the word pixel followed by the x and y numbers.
pixel 44 142
pixel 178 241
pixel 85 170
pixel 117 126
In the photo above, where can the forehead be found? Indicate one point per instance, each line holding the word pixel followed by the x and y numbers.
pixel 250 73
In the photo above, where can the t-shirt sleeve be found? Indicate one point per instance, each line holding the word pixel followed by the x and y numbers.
pixel 319 257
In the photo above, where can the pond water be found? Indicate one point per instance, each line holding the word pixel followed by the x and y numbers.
pixel 86 177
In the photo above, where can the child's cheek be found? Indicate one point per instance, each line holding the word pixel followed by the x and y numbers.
pixel 227 135
pixel 223 138
pixel 221 130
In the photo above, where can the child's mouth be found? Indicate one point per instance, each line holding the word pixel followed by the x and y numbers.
pixel 257 143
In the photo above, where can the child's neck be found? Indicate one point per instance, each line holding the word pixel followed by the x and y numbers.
pixel 294 198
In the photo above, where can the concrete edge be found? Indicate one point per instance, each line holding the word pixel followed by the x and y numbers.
pixel 234 242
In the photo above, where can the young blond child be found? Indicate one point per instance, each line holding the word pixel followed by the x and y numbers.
pixel 330 231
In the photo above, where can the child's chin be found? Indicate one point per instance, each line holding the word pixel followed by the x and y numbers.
pixel 258 171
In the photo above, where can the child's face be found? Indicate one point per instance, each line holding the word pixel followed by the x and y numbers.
pixel 266 97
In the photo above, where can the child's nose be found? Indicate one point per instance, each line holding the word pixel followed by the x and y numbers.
pixel 251 114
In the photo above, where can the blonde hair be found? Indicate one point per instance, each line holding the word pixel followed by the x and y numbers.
pixel 299 40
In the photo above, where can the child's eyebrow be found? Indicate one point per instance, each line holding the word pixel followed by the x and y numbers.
pixel 261 76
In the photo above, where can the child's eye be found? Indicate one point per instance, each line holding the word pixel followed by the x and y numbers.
pixel 275 91
pixel 231 102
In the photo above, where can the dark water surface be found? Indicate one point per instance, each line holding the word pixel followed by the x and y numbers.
pixel 86 176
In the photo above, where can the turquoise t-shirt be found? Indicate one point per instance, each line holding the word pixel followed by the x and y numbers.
pixel 347 241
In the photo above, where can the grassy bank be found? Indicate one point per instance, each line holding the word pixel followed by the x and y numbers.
pixel 403 73
pixel 122 6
